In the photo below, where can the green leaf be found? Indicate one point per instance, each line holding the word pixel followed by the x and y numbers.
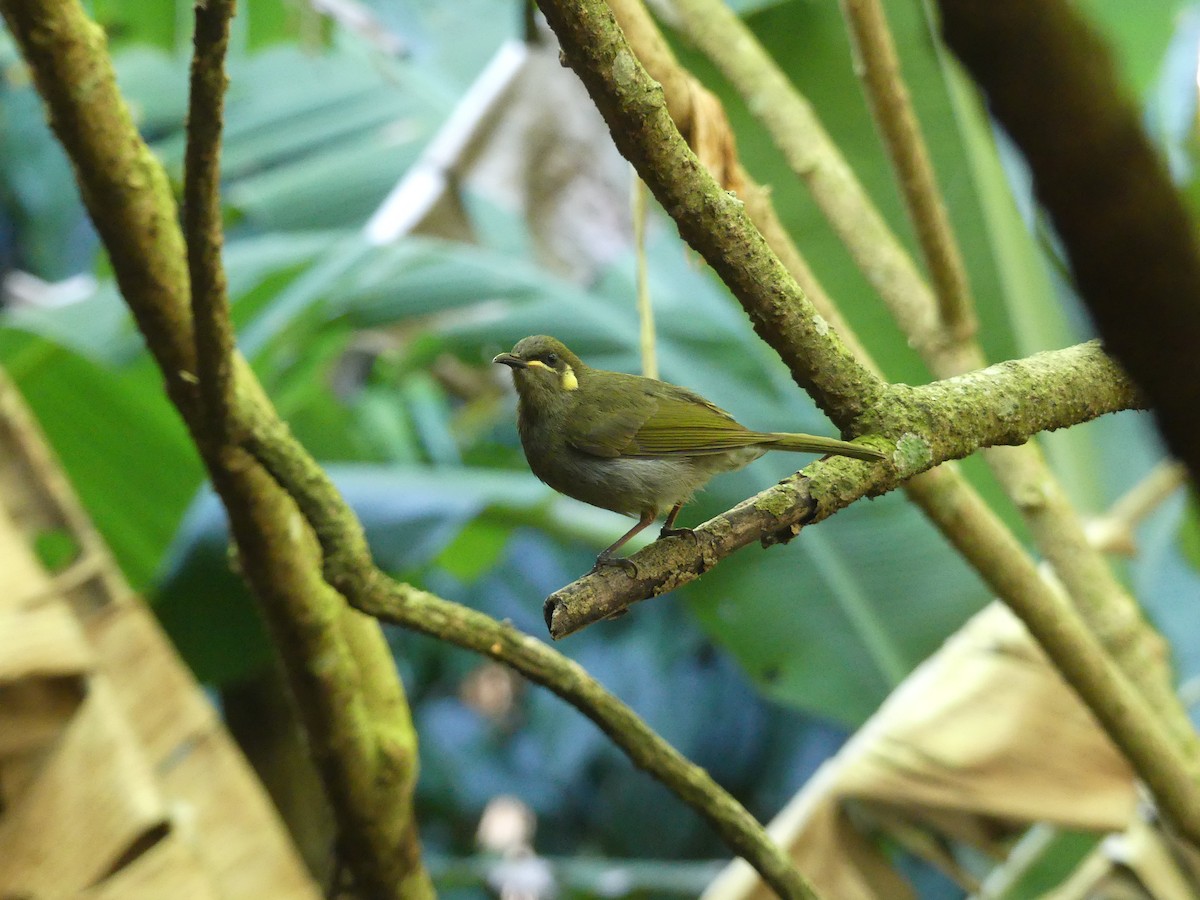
pixel 123 447
pixel 476 549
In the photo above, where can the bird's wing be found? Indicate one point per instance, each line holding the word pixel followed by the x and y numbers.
pixel 664 420
pixel 609 434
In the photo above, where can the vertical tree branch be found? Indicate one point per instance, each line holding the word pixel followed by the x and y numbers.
pixel 879 67
pixel 202 214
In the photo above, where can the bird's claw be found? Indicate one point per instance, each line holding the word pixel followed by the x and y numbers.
pixel 676 532
pixel 619 561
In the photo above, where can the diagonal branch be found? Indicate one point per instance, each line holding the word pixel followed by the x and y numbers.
pixel 714 222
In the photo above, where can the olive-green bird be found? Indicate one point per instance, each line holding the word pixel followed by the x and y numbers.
pixel 635 445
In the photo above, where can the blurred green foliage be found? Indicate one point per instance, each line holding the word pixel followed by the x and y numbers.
pixel 378 356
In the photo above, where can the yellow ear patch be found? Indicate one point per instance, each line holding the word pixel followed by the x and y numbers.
pixel 569 381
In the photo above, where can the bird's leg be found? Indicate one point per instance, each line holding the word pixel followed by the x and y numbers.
pixel 606 558
pixel 669 529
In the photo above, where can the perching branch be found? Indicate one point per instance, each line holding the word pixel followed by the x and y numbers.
pixel 349 568
pixel 590 44
pixel 928 425
pixel 1107 608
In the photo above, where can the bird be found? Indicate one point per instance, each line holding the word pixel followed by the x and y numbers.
pixel 631 444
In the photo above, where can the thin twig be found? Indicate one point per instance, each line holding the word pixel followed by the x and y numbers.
pixel 644 305
pixel 1113 532
pixel 879 67
pixel 348 566
pixel 202 214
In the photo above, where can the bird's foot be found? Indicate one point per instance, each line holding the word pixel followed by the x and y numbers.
pixel 676 532
pixel 620 562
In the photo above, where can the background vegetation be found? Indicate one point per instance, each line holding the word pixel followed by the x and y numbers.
pixel 378 357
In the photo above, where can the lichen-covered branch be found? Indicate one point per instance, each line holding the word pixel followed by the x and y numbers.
pixel 927 425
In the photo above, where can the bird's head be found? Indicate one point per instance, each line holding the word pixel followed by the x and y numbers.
pixel 545 372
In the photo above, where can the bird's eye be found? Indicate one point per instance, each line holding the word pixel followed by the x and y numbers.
pixel 551 359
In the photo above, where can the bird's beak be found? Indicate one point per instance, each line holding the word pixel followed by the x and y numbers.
pixel 507 359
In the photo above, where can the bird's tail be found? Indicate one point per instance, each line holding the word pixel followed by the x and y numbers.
pixel 810 443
